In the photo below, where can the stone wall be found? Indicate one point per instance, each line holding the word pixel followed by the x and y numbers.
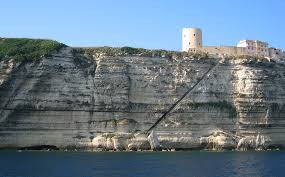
pixel 222 50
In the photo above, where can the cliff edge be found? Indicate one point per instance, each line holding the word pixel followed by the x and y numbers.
pixel 91 99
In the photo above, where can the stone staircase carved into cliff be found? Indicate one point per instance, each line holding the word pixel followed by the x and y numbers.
pixel 176 104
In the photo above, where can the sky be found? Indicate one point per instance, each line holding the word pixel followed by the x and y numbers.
pixel 154 24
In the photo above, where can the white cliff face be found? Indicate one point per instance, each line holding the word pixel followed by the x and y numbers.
pixel 108 103
pixel 6 68
pixel 260 142
pixel 153 141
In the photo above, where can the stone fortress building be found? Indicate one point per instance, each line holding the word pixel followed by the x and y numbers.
pixel 192 41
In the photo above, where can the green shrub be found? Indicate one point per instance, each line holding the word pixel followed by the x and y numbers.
pixel 23 49
pixel 199 55
pixel 126 51
pixel 130 50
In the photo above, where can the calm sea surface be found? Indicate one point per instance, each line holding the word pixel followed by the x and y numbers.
pixel 148 164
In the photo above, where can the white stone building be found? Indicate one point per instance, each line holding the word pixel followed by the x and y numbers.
pixel 254 47
pixel 275 53
pixel 192 41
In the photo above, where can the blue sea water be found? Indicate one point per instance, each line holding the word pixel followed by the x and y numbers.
pixel 141 164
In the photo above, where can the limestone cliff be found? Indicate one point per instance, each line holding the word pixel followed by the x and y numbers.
pixel 75 100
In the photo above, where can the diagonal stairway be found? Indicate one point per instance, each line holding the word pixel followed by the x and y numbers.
pixel 182 97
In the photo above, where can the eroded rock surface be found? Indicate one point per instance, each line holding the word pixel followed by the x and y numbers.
pixel 70 100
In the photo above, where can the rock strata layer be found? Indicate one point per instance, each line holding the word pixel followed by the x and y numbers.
pixel 71 100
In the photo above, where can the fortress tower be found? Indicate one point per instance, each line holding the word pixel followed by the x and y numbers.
pixel 191 39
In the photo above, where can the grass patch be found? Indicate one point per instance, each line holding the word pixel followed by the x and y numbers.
pixel 130 51
pixel 24 49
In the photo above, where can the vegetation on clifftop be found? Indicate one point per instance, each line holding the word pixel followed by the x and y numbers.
pixel 24 49
pixel 130 51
